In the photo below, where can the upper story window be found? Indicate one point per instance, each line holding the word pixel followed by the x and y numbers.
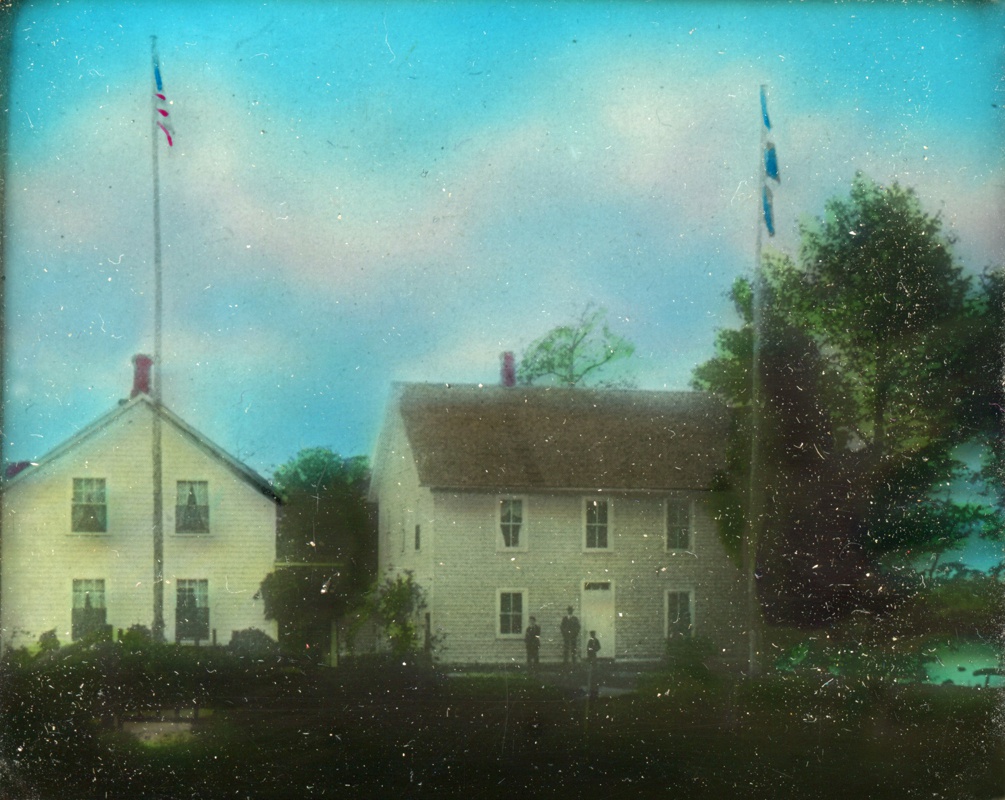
pixel 511 529
pixel 89 513
pixel 597 524
pixel 678 523
pixel 192 508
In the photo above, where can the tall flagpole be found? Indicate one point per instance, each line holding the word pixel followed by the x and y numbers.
pixel 767 167
pixel 158 489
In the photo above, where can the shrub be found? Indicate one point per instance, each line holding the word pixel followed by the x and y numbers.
pixel 396 604
pixel 48 642
pixel 688 656
pixel 254 643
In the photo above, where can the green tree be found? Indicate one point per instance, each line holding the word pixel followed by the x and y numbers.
pixel 864 398
pixel 326 545
pixel 396 604
pixel 878 289
pixel 729 371
pixel 576 354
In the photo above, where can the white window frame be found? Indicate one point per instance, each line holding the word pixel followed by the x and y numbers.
pixel 501 545
pixel 199 588
pixel 688 504
pixel 87 486
pixel 689 591
pixel 609 524
pixel 84 589
pixel 191 485
pixel 524 615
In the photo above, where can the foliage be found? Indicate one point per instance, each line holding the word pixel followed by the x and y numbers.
pixel 327 538
pixel 962 602
pixel 576 354
pixel 48 642
pixel 688 656
pixel 315 469
pixel 253 643
pixel 878 289
pixel 860 662
pixel 301 598
pixel 325 516
pixel 136 637
pixel 863 398
pixel 729 372
pixel 396 604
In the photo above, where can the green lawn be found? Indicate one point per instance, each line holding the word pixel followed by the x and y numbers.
pixel 507 735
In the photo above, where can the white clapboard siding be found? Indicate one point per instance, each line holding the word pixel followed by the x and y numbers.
pixel 42 556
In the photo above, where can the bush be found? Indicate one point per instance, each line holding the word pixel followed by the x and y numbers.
pixel 254 643
pixel 689 656
pixel 136 637
pixel 47 642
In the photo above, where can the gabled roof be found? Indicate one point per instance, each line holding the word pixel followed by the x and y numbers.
pixel 473 437
pixel 241 470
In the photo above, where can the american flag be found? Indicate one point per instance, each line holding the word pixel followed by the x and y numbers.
pixel 162 118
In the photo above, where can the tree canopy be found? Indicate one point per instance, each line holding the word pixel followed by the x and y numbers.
pixel 326 545
pixel 869 347
pixel 581 353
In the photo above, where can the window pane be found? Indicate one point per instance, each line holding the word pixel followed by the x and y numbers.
pixel 88 615
pixel 192 509
pixel 678 614
pixel 88 512
pixel 192 610
pixel 510 612
pixel 678 524
pixel 510 520
pixel 596 524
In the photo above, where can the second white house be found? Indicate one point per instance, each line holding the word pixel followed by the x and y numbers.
pixel 512 502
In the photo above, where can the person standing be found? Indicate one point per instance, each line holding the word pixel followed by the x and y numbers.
pixel 532 638
pixel 570 637
pixel 592 648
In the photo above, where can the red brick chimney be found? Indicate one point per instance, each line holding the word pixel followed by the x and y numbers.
pixel 141 374
pixel 508 371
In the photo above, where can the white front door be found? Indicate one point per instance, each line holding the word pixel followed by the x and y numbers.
pixel 598 615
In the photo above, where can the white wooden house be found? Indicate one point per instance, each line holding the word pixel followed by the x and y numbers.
pixel 77 543
pixel 511 502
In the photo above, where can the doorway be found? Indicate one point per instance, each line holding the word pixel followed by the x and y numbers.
pixel 598 615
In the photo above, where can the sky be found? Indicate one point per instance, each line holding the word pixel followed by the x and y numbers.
pixel 361 193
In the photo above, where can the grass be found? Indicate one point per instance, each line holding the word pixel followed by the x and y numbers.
pixel 496 735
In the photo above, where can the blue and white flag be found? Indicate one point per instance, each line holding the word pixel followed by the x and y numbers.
pixel 769 213
pixel 771 162
pixel 770 158
pixel 764 110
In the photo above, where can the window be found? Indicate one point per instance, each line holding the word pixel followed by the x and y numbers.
pixel 510 613
pixel 90 512
pixel 597 517
pixel 511 522
pixel 418 537
pixel 680 615
pixel 88 607
pixel 678 523
pixel 192 611
pixel 192 508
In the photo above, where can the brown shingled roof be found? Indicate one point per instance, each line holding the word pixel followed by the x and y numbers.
pixel 555 438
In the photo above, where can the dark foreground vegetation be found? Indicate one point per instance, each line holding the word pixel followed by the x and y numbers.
pixel 269 727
